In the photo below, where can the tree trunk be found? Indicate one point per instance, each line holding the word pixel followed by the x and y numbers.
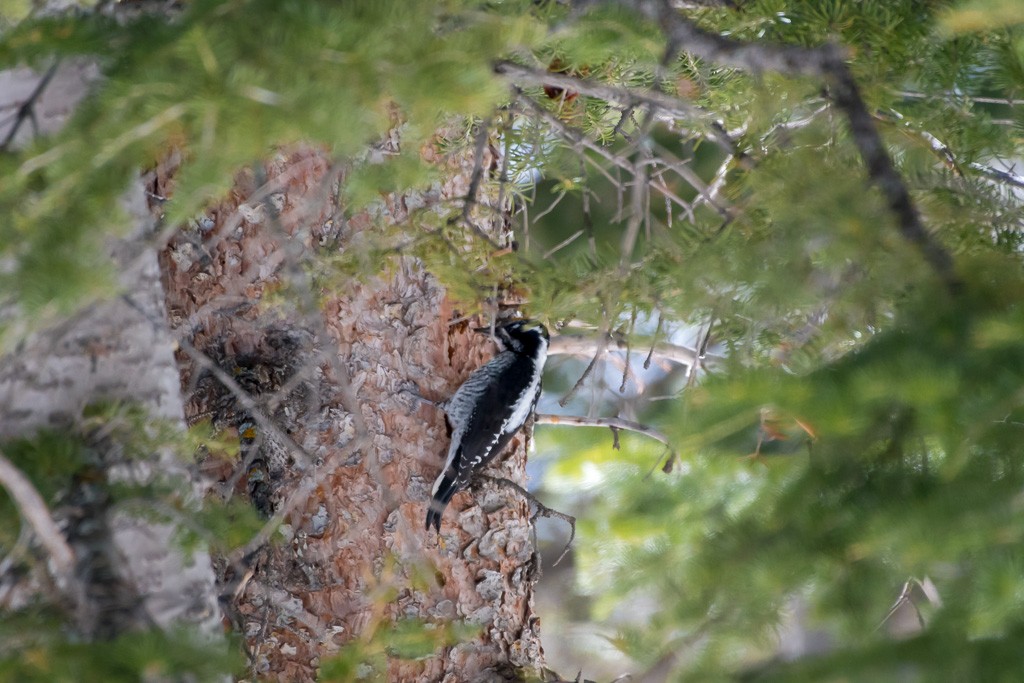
pixel 130 573
pixel 349 465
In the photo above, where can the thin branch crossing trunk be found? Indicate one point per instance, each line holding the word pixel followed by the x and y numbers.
pixel 351 562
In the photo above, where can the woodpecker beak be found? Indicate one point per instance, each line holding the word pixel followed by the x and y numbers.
pixel 482 330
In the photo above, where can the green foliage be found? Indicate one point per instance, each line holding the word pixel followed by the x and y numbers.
pixel 68 467
pixel 226 85
pixel 915 471
pixel 116 434
pixel 46 459
pixel 34 649
pixel 885 412
pixel 982 15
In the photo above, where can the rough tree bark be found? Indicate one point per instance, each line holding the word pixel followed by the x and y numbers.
pixel 349 466
pixel 131 575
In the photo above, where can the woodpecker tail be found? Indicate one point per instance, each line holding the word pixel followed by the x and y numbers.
pixel 446 487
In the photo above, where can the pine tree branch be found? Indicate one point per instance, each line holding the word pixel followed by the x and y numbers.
pixel 300 495
pixel 949 158
pixel 620 96
pixel 846 95
pixel 561 245
pixel 602 346
pixel 828 63
pixel 617 159
pixel 704 4
pixel 626 366
pixel 312 477
pixel 580 142
pixel 34 511
pixel 654 342
pixel 906 596
pixel 1008 101
pixel 998 174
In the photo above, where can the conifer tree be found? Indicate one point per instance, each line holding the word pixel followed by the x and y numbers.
pixel 821 195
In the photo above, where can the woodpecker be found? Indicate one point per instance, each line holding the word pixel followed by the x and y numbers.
pixel 489 408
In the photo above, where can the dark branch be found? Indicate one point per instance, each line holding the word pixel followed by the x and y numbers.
pixel 654 341
pixel 828 63
pixel 470 200
pixel 248 403
pixel 846 95
pixel 480 144
pixel 26 110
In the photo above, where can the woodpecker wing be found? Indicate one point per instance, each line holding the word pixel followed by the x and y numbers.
pixel 490 430
pixel 498 399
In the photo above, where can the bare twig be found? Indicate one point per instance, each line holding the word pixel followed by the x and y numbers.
pixel 309 304
pixel 34 511
pixel 682 168
pixel 503 173
pixel 654 341
pixel 480 144
pixel 310 479
pixel 564 243
pixel 906 596
pixel 795 124
pixel 943 151
pixel 298 496
pixel 542 509
pixel 1008 101
pixel 580 142
pixel 636 214
pixel 702 352
pixel 577 139
pixel 610 422
pixel 588 220
pixel 601 347
pixel 711 192
pixel 625 366
pixel 578 345
pixel 626 115
pixel 551 207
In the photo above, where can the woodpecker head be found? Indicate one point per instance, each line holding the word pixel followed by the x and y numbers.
pixel 520 336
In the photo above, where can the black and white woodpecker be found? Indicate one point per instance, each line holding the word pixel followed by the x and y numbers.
pixel 489 408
